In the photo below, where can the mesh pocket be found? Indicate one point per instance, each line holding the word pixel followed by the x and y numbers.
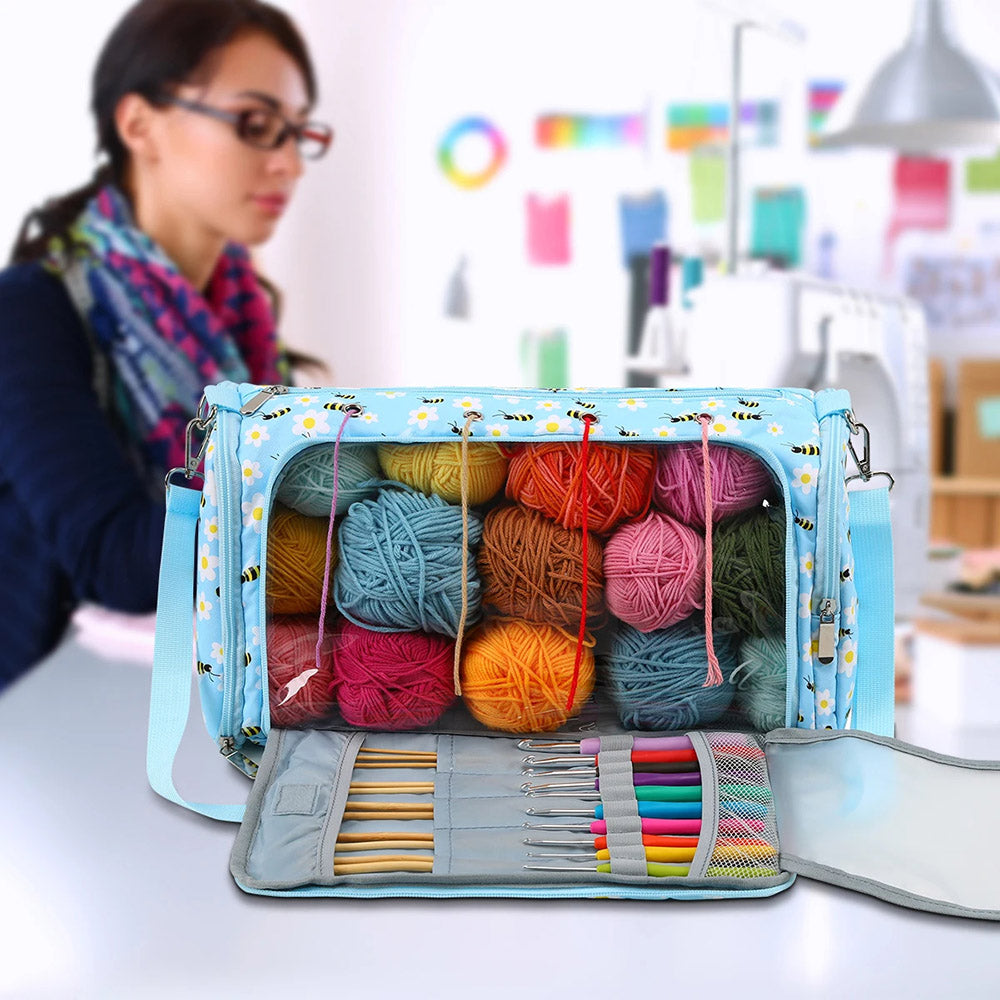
pixel 746 843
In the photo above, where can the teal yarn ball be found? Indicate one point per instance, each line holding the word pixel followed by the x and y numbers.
pixel 307 482
pixel 400 564
pixel 748 572
pixel 656 678
pixel 761 680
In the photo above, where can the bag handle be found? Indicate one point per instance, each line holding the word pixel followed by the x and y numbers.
pixel 871 539
pixel 170 692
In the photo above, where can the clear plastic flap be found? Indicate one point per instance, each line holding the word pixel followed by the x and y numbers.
pixel 893 820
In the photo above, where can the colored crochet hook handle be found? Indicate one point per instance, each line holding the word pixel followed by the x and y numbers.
pixel 656 826
pixel 659 854
pixel 659 756
pixel 676 778
pixel 592 745
pixel 662 810
pixel 601 843
pixel 668 793
pixel 655 869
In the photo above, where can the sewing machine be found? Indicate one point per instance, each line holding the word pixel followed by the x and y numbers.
pixel 780 328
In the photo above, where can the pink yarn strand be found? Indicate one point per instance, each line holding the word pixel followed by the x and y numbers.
pixel 329 544
pixel 714 677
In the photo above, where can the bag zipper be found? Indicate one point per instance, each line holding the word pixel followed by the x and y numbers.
pixel 256 401
pixel 230 609
pixel 833 437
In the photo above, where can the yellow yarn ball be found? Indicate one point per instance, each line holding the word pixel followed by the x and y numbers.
pixel 437 468
pixel 296 555
pixel 516 676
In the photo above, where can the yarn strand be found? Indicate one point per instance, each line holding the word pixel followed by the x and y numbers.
pixel 581 635
pixel 464 472
pixel 714 677
pixel 329 545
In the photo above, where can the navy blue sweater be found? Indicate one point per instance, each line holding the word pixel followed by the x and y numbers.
pixel 76 519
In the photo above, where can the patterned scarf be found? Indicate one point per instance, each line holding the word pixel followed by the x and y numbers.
pixel 164 339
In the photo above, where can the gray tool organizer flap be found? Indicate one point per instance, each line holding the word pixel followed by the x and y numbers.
pixel 887 818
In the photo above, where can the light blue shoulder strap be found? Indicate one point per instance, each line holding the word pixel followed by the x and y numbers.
pixel 871 540
pixel 170 695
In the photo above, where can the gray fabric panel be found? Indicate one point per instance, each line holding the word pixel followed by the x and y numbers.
pixel 442 805
pixel 891 894
pixel 296 800
pixel 339 779
pixel 621 811
pixel 709 804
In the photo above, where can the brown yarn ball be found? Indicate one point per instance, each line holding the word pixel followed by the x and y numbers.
pixel 547 477
pixel 296 555
pixel 532 568
pixel 516 676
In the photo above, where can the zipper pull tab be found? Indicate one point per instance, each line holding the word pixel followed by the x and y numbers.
pixel 256 401
pixel 827 631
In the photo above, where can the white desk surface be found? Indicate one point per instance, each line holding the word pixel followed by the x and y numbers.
pixel 109 891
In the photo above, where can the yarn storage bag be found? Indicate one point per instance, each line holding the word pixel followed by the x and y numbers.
pixel 528 561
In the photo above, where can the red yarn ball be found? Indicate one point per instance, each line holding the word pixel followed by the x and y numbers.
pixel 392 680
pixel 739 481
pixel 547 478
pixel 299 693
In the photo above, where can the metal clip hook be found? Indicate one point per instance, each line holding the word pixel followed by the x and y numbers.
pixel 864 462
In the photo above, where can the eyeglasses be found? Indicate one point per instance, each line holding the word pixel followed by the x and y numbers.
pixel 265 128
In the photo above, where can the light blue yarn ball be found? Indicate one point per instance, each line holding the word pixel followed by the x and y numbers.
pixel 307 482
pixel 656 678
pixel 761 680
pixel 401 564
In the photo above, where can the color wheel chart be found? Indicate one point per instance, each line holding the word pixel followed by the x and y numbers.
pixel 472 152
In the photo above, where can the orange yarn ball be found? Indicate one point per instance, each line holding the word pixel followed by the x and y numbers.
pixel 531 568
pixel 547 478
pixel 516 676
pixel 296 554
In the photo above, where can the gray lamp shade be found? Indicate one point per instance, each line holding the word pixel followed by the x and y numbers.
pixel 929 95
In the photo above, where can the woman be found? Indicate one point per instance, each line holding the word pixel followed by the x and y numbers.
pixel 125 298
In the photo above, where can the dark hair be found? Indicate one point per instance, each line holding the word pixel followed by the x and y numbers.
pixel 155 46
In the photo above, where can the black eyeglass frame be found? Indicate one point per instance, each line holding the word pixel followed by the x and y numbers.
pixel 317 131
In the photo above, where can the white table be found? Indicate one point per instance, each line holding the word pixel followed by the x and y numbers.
pixel 108 891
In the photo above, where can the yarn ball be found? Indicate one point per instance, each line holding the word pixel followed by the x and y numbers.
pixel 656 678
pixel 297 691
pixel 307 482
pixel 437 468
pixel 532 568
pixel 391 680
pixel 401 564
pixel 516 676
pixel 739 481
pixel 761 680
pixel 296 558
pixel 748 576
pixel 547 477
pixel 655 572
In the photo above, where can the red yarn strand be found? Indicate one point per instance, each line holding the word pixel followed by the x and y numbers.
pixel 464 472
pixel 714 677
pixel 329 545
pixel 582 634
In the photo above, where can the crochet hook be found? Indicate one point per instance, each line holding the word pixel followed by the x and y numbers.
pixel 592 745
pixel 643 793
pixel 652 868
pixel 647 810
pixel 638 779
pixel 652 854
pixel 601 843
pixel 575 769
pixel 637 757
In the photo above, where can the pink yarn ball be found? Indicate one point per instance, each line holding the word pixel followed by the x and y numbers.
pixel 654 572
pixel 298 692
pixel 392 680
pixel 739 481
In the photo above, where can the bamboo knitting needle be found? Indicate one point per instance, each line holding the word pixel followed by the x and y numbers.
pixel 338 860
pixel 392 788
pixel 376 762
pixel 387 807
pixel 357 838
pixel 399 753
pixel 372 867
pixel 384 845
pixel 418 812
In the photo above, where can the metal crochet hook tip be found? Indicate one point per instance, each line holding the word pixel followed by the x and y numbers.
pixel 583 785
pixel 563 857
pixel 580 761
pixel 570 827
pixel 557 868
pixel 586 844
pixel 583 796
pixel 532 811
pixel 573 772
pixel 548 746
